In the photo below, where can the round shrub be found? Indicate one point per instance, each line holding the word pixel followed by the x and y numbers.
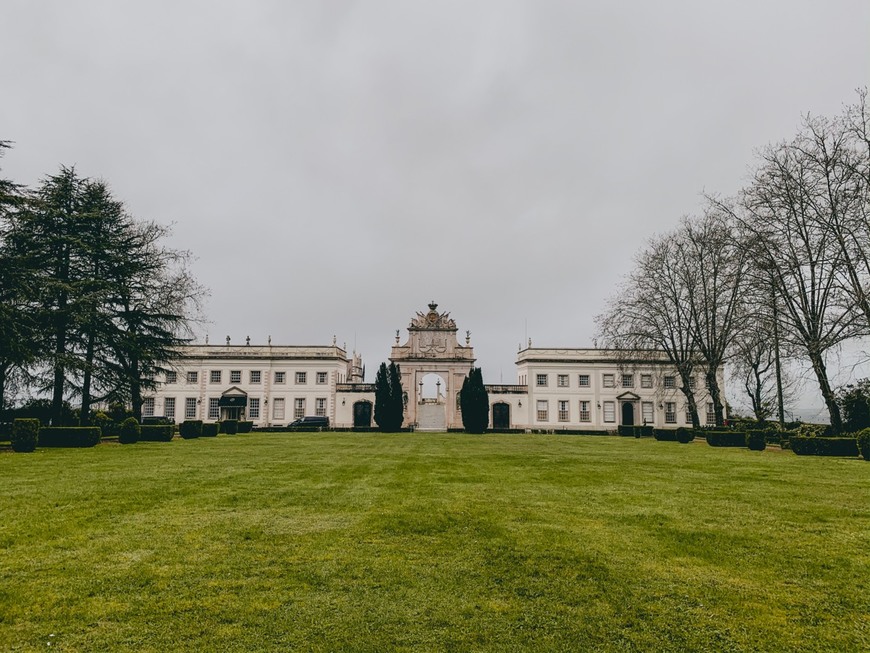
pixel 863 439
pixel 129 431
pixel 25 433
pixel 756 440
pixel 684 435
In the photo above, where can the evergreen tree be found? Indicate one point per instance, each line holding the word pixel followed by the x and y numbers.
pixel 111 302
pixel 389 400
pixel 474 402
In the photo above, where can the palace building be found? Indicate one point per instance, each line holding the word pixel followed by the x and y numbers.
pixel 556 389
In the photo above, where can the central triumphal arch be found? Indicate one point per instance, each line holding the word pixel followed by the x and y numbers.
pixel 432 348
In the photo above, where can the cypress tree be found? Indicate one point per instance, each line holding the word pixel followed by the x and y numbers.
pixel 474 402
pixel 389 402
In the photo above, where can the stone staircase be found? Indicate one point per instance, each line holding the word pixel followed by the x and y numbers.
pixel 431 417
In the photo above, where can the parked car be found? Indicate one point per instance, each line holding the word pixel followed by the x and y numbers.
pixel 312 421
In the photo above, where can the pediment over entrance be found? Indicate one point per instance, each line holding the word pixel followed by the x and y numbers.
pixel 628 396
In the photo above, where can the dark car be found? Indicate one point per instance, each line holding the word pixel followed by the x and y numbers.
pixel 314 422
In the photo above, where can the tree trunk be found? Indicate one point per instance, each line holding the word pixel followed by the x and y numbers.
pixel 61 325
pixel 828 394
pixel 135 389
pixel 716 397
pixel 85 413
pixel 4 370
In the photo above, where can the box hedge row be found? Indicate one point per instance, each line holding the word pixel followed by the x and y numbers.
pixel 823 446
pixel 719 438
pixel 191 428
pixel 69 436
pixel 209 430
pixel 156 433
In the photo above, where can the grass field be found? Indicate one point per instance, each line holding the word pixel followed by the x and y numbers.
pixel 350 542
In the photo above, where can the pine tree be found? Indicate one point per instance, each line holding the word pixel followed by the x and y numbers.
pixel 474 402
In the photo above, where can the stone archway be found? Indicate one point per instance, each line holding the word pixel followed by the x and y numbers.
pixel 432 348
pixel 362 414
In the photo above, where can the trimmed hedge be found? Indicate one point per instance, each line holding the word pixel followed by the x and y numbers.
pixel 245 427
pixel 810 446
pixel 209 430
pixel 229 426
pixel 191 428
pixel 684 435
pixel 69 436
pixel 635 431
pixel 863 440
pixel 25 434
pixel 665 435
pixel 756 440
pixel 725 438
pixel 156 433
pixel 130 431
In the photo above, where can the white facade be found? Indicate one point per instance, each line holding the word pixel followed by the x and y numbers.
pixel 263 384
pixel 556 389
pixel 598 389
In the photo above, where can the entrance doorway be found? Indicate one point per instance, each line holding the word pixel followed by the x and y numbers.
pixel 628 413
pixel 501 415
pixel 362 414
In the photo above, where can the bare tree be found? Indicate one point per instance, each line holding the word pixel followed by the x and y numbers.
pixel 650 314
pixel 783 222
pixel 712 269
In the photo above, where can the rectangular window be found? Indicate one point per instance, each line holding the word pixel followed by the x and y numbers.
pixel 321 377
pixel 670 412
pixel 171 376
pixel 628 380
pixel 541 380
pixel 562 380
pixel 609 411
pixel 193 377
pixel 235 376
pixel 691 383
pixel 583 380
pixel 280 377
pixel 298 408
pixel 278 408
pixel 256 376
pixel 543 410
pixel 320 407
pixel 670 381
pixel 607 380
pixel 169 408
pixel 563 411
pixel 190 408
pixel 711 414
pixel 214 409
pixel 584 411
pixel 148 407
pixel 646 412
pixel 214 376
pixel 254 408
pixel 688 416
pixel 301 378
pixel 646 380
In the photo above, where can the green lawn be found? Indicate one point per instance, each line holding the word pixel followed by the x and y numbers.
pixel 351 542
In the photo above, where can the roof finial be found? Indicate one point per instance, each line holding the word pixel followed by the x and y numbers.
pixel 228 341
pixel 248 341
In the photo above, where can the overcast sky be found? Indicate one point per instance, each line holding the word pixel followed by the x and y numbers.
pixel 334 166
